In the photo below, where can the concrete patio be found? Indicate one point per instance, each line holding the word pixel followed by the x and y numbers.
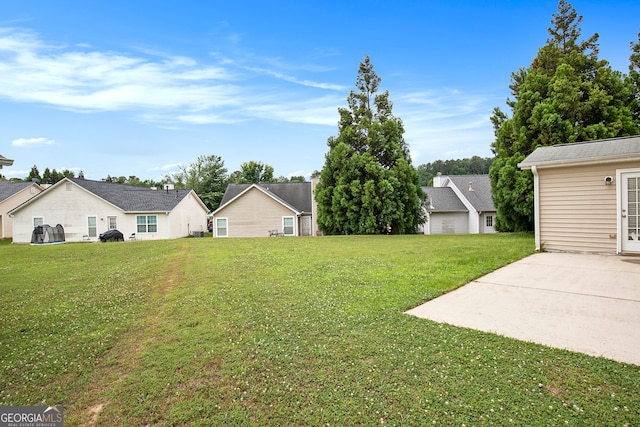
pixel 584 303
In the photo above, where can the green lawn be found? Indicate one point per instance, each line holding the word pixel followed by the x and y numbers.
pixel 282 331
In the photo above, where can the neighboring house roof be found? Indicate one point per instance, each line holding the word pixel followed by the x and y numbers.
pixel 5 162
pixel 128 198
pixel 613 149
pixel 443 199
pixel 294 195
pixel 9 188
pixel 476 189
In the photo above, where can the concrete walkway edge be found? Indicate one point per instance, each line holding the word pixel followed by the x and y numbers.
pixel 578 302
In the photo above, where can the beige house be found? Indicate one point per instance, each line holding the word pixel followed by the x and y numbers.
pixel 13 194
pixel 263 210
pixel 587 196
pixel 86 208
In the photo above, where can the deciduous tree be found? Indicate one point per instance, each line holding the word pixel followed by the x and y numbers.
pixel 207 176
pixel 252 172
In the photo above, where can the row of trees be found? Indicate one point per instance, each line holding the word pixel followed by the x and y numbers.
pixel 51 176
pixel 475 165
pixel 566 95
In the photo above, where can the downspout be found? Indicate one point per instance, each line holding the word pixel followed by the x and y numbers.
pixel 536 206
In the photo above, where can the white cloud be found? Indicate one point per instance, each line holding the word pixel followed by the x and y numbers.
pixel 158 87
pixel 436 121
pixel 34 72
pixel 12 173
pixel 30 142
pixel 168 167
pixel 292 79
pixel 203 119
pixel 315 111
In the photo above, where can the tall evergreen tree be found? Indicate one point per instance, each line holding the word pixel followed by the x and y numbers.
pixel 566 95
pixel 34 173
pixel 368 185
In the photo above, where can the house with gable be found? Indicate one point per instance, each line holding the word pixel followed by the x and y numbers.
pixel 87 208
pixel 459 204
pixel 587 196
pixel 266 209
pixel 13 194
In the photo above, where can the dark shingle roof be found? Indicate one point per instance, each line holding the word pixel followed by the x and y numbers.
pixel 443 199
pixel 605 149
pixel 9 188
pixel 295 194
pixel 476 189
pixel 131 198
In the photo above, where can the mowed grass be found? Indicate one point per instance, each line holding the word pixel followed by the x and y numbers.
pixel 282 331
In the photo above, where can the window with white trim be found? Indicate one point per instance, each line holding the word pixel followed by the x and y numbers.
pixel 112 222
pixel 38 221
pixel 92 226
pixel 287 226
pixel 222 227
pixel 147 223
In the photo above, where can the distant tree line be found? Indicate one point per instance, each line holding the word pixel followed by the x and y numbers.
pixel 472 166
pixel 52 176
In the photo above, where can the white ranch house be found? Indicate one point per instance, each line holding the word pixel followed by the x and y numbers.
pixel 88 208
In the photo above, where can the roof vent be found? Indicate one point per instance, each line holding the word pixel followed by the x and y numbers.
pixel 471 186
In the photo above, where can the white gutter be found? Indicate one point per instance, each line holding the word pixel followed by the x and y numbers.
pixel 536 206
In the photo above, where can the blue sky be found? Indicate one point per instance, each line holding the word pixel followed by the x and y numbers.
pixel 142 87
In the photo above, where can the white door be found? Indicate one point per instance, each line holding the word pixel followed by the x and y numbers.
pixel 630 212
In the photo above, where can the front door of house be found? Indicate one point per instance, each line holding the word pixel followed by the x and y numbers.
pixel 630 211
